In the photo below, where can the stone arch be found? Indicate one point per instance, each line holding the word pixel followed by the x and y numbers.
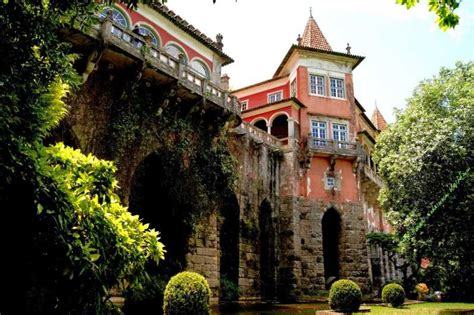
pixel 331 232
pixel 267 252
pixel 152 199
pixel 279 125
pixel 229 246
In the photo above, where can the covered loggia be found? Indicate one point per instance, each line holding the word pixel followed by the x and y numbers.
pixel 267 252
pixel 279 126
pixel 152 197
pixel 331 226
pixel 261 124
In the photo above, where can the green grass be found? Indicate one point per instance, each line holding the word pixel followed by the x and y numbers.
pixel 421 309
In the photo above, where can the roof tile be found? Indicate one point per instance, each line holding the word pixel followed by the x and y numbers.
pixel 313 36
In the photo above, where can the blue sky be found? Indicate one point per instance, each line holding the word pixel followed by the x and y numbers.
pixel 402 47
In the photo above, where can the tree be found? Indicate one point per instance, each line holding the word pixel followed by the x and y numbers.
pixel 426 160
pixel 444 9
pixel 66 241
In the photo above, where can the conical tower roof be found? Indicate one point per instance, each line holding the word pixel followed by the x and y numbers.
pixel 378 120
pixel 313 37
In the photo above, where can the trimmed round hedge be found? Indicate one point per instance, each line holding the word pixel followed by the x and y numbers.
pixel 393 294
pixel 187 293
pixel 345 296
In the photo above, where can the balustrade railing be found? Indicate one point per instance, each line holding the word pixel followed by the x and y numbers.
pixel 137 45
pixel 260 134
pixel 334 147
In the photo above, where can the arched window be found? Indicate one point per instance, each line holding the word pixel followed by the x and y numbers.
pixel 145 30
pixel 175 51
pixel 279 126
pixel 117 16
pixel 200 68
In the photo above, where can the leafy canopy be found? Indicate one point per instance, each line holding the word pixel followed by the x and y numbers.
pixel 426 159
pixel 444 9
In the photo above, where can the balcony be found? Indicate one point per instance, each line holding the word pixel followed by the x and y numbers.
pixel 327 147
pixel 371 175
pixel 118 39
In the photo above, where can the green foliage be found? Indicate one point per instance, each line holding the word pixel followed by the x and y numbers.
pixel 187 293
pixel 393 294
pixel 73 240
pixel 443 9
pixel 345 296
pixel 427 160
pixel 229 290
pixel 198 167
pixel 385 240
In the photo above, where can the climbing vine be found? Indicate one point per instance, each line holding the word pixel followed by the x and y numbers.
pixel 199 169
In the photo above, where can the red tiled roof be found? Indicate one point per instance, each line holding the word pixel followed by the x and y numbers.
pixel 191 30
pixel 378 120
pixel 313 37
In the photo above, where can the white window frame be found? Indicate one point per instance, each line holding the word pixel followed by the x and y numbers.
pixel 293 88
pixel 317 85
pixel 330 182
pixel 318 140
pixel 339 91
pixel 244 105
pixel 274 94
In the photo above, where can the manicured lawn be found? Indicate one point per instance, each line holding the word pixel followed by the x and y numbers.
pixel 421 309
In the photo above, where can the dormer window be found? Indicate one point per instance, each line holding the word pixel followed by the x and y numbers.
pixel 275 97
pixel 316 85
pixel 337 88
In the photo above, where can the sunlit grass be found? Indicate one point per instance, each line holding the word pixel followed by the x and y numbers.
pixel 421 309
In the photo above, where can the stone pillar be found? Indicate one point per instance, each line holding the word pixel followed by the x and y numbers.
pixel 291 132
pixel 225 79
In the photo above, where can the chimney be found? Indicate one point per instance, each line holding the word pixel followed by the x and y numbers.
pixel 225 82
pixel 219 43
pixel 299 39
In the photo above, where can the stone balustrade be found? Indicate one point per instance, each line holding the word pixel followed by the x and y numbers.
pixel 334 147
pixel 139 47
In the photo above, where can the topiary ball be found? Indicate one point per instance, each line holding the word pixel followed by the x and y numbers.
pixel 187 293
pixel 393 294
pixel 345 296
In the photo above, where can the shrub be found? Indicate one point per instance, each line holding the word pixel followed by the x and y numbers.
pixel 187 293
pixel 345 296
pixel 229 290
pixel 422 290
pixel 394 294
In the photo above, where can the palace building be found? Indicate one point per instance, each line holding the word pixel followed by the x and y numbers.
pixel 307 190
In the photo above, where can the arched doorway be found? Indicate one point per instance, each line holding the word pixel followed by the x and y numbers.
pixel 229 246
pixel 331 226
pixel 261 124
pixel 267 252
pixel 279 126
pixel 152 198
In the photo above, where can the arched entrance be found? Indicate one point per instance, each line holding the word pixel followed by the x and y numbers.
pixel 229 246
pixel 331 226
pixel 152 198
pixel 267 252
pixel 279 126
